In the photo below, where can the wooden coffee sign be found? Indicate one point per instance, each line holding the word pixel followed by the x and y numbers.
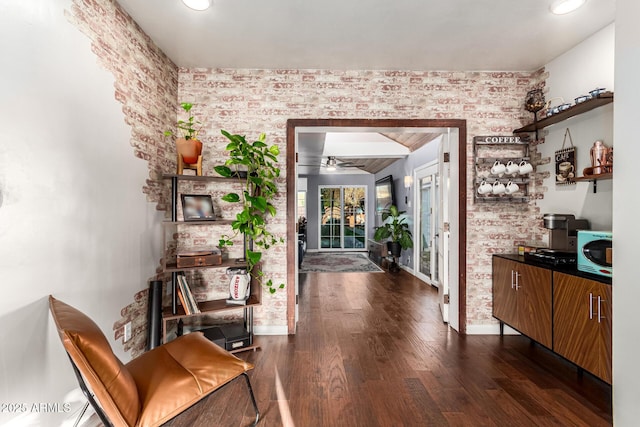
pixel 566 162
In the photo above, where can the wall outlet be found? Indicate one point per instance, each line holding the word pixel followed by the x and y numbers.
pixel 127 331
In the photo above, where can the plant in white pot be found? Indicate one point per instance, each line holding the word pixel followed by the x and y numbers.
pixel 188 146
pixel 395 228
pixel 258 162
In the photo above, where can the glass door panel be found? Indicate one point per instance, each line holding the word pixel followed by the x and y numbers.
pixel 330 217
pixel 426 212
pixel 353 228
pixel 343 217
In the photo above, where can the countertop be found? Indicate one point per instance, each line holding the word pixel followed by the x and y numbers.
pixel 573 270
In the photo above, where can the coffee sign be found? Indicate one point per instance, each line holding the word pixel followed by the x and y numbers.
pixel 566 162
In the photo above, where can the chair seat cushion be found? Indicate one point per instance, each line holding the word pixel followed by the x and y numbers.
pixel 176 375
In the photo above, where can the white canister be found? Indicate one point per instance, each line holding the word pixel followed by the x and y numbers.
pixel 239 283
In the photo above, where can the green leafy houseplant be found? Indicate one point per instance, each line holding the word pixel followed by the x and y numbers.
pixel 396 228
pixel 256 199
pixel 188 128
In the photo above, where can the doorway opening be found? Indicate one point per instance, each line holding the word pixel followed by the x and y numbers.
pixel 457 156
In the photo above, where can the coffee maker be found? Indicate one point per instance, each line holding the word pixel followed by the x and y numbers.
pixel 563 231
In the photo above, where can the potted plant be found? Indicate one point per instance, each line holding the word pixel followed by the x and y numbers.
pixel 187 143
pixel 258 162
pixel 396 228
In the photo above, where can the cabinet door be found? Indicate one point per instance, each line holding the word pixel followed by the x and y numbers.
pixel 504 294
pixel 577 333
pixel 533 285
pixel 604 331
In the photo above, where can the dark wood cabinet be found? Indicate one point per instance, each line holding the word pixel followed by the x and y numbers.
pixel 522 298
pixel 582 323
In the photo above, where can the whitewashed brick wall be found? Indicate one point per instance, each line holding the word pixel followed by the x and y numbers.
pixel 253 101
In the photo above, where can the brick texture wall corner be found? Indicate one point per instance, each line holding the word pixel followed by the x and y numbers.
pixel 249 102
pixel 146 84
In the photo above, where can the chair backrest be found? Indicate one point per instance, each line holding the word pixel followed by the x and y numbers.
pixel 90 352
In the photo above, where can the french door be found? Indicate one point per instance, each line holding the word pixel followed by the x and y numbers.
pixel 427 213
pixel 343 218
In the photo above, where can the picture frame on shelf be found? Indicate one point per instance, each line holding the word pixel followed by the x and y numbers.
pixel 197 207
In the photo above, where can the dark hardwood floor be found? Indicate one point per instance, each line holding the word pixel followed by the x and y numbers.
pixel 371 350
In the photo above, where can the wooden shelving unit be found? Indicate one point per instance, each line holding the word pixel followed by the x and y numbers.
pixel 602 99
pixel 176 312
pixel 583 107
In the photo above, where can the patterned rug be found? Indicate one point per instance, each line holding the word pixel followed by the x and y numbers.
pixel 337 262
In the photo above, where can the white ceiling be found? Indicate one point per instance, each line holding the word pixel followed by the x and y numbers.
pixel 315 146
pixel 368 34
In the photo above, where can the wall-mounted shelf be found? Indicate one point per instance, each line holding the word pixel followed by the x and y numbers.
pixel 594 179
pixel 602 99
pixel 503 149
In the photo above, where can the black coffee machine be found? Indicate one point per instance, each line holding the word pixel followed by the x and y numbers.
pixel 563 231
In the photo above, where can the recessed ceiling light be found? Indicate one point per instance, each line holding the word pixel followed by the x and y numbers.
pixel 197 4
pixel 561 7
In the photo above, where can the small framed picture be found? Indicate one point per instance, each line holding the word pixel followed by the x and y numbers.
pixel 197 207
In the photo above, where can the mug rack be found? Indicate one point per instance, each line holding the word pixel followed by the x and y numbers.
pixel 488 150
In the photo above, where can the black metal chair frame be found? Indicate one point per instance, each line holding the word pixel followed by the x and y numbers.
pixel 107 423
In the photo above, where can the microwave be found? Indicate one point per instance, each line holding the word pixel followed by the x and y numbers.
pixel 595 252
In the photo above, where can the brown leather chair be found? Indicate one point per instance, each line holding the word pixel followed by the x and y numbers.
pixel 152 388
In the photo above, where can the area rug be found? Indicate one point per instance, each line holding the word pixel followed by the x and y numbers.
pixel 337 262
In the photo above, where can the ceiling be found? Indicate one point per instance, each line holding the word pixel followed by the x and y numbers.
pixel 368 151
pixel 447 35
pixel 466 35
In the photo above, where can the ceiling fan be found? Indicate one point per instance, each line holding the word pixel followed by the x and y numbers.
pixel 334 163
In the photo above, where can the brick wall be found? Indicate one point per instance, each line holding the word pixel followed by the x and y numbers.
pixel 146 84
pixel 253 101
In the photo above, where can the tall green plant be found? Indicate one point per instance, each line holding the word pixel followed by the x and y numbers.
pixel 188 128
pixel 259 190
pixel 396 228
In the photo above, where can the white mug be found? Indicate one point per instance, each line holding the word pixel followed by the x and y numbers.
pixel 525 167
pixel 512 168
pixel 498 168
pixel 485 187
pixel 511 188
pixel 498 188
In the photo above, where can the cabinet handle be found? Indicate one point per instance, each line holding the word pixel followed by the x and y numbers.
pixel 512 282
pixel 517 281
pixel 600 316
pixel 590 306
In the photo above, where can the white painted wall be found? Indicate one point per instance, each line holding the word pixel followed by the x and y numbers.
pixel 580 70
pixel 626 290
pixel 73 220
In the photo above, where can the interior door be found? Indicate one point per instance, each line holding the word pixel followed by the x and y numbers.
pixel 443 228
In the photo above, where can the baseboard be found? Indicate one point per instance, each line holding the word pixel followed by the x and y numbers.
pixel 408 269
pixel 493 329
pixel 270 330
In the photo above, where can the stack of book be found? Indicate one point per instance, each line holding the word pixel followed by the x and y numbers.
pixel 187 299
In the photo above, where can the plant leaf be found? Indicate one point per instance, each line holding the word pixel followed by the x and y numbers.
pixel 254 257
pixel 231 198
pixel 223 171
